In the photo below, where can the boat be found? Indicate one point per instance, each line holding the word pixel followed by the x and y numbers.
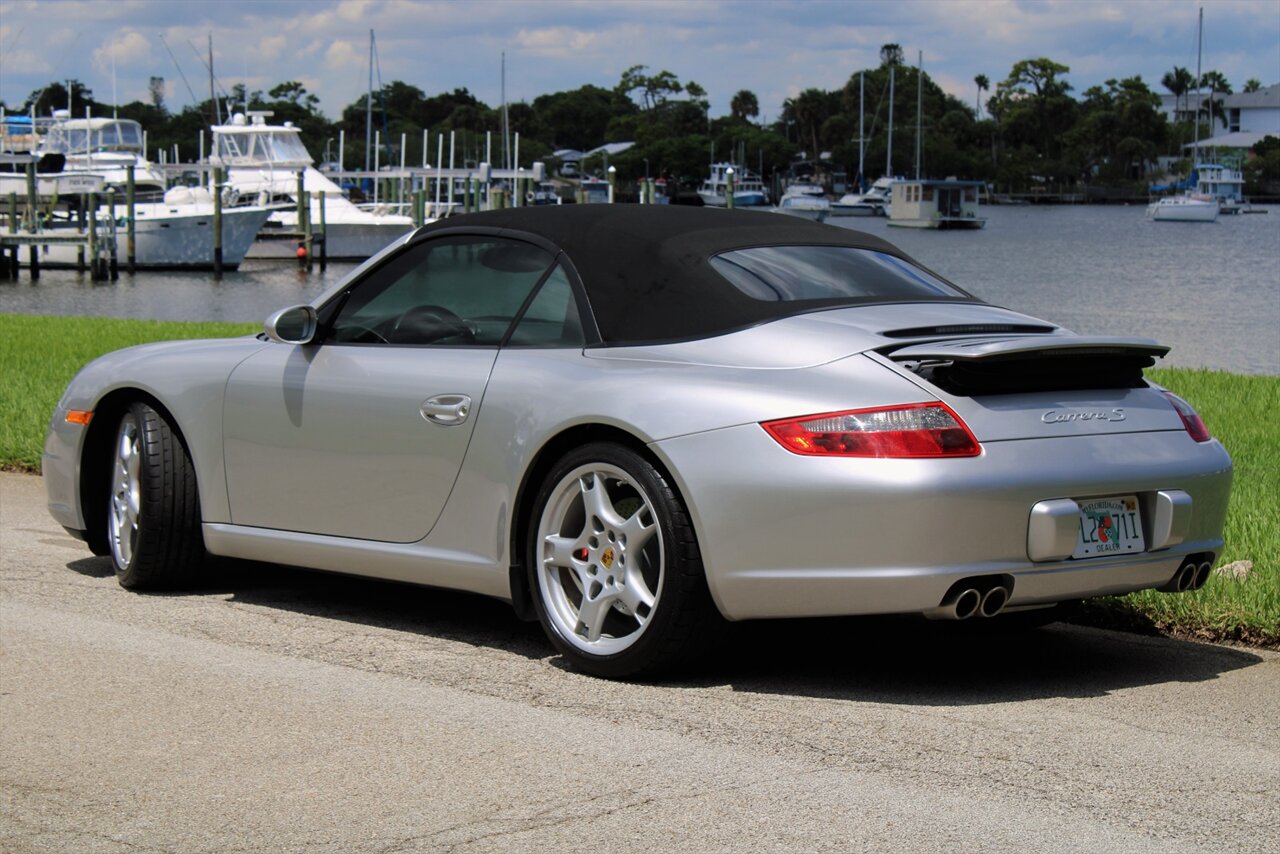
pixel 51 181
pixel 176 233
pixel 748 189
pixel 594 191
pixel 173 229
pixel 874 202
pixel 805 200
pixel 543 193
pixel 1224 184
pixel 939 204
pixel 263 162
pixel 1190 205
pixel 106 147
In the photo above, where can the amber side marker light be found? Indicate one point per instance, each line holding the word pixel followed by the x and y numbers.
pixel 910 431
pixel 79 416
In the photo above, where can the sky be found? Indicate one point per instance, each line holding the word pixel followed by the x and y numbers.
pixel 774 48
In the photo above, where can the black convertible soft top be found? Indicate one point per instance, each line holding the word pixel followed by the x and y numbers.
pixel 646 268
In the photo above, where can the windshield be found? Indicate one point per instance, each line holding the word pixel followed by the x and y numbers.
pixel 802 273
pixel 262 148
pixel 120 135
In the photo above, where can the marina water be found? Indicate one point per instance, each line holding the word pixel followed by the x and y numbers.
pixel 1209 291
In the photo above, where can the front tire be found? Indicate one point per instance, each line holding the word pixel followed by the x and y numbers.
pixel 153 510
pixel 616 574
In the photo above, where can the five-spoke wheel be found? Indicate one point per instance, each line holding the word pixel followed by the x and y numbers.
pixel 126 493
pixel 153 509
pixel 617 581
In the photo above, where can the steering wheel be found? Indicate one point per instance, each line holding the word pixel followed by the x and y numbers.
pixel 423 324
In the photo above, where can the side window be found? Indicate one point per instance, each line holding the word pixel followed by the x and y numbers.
pixel 552 319
pixel 454 290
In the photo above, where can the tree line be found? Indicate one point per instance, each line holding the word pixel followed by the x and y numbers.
pixel 1031 130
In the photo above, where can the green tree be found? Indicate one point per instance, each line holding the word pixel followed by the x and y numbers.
pixel 984 85
pixel 578 118
pixel 1216 83
pixel 890 54
pixel 1179 82
pixel 1034 111
pixel 1120 130
pixel 1253 84
pixel 744 105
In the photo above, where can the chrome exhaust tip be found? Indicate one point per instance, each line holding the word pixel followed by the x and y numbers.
pixel 967 603
pixel 1202 575
pixel 961 606
pixel 994 601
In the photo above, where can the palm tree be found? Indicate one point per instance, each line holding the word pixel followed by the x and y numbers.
pixel 983 85
pixel 744 105
pixel 1179 82
pixel 1216 83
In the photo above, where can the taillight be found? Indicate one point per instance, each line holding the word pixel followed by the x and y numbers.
pixel 912 430
pixel 1190 418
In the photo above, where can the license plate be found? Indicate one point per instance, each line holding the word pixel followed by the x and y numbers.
pixel 1109 526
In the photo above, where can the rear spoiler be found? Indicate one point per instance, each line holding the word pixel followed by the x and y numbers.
pixel 1030 363
pixel 1028 347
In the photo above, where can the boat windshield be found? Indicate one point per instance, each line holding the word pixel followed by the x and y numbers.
pixel 121 135
pixel 262 148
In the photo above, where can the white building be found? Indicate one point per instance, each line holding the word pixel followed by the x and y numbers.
pixel 1250 117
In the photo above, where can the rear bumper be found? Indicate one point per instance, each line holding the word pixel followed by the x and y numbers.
pixel 789 536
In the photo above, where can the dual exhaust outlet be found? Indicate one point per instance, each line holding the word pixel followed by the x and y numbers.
pixel 980 596
pixel 1191 575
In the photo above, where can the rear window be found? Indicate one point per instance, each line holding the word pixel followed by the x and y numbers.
pixel 804 273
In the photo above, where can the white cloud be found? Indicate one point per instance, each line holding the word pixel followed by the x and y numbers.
pixel 343 54
pixel 272 47
pixel 126 48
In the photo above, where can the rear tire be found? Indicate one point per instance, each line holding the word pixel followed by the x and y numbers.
pixel 153 508
pixel 615 572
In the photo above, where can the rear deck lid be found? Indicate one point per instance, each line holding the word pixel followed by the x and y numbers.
pixel 1039 386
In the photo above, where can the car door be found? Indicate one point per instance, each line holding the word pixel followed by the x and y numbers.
pixel 362 433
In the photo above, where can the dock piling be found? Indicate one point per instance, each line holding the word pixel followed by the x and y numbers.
pixel 131 245
pixel 217 222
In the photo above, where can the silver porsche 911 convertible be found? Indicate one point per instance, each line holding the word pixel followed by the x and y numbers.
pixel 636 422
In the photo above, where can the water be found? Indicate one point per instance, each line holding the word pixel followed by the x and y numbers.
pixel 1210 291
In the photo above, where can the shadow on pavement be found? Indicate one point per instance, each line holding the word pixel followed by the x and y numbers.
pixel 908 660
pixel 895 659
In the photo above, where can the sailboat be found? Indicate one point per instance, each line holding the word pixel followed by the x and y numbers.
pixel 1190 206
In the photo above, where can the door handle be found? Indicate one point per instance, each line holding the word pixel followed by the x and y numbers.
pixel 447 409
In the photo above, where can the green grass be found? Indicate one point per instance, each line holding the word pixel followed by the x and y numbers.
pixel 1240 411
pixel 39 355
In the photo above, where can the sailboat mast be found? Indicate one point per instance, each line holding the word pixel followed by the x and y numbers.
pixel 888 157
pixel 368 109
pixel 506 128
pixel 919 102
pixel 1195 147
pixel 862 139
pixel 213 98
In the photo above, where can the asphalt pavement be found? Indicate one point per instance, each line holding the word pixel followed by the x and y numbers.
pixel 276 709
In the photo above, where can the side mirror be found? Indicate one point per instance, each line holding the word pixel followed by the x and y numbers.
pixel 294 325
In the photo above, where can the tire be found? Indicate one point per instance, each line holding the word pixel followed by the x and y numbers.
pixel 153 508
pixel 615 571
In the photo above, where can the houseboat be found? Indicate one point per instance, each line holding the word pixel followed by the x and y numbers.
pixel 925 203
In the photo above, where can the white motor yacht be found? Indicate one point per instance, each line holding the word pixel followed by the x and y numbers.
pixel 263 162
pixel 805 200
pixel 172 228
pixel 871 203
